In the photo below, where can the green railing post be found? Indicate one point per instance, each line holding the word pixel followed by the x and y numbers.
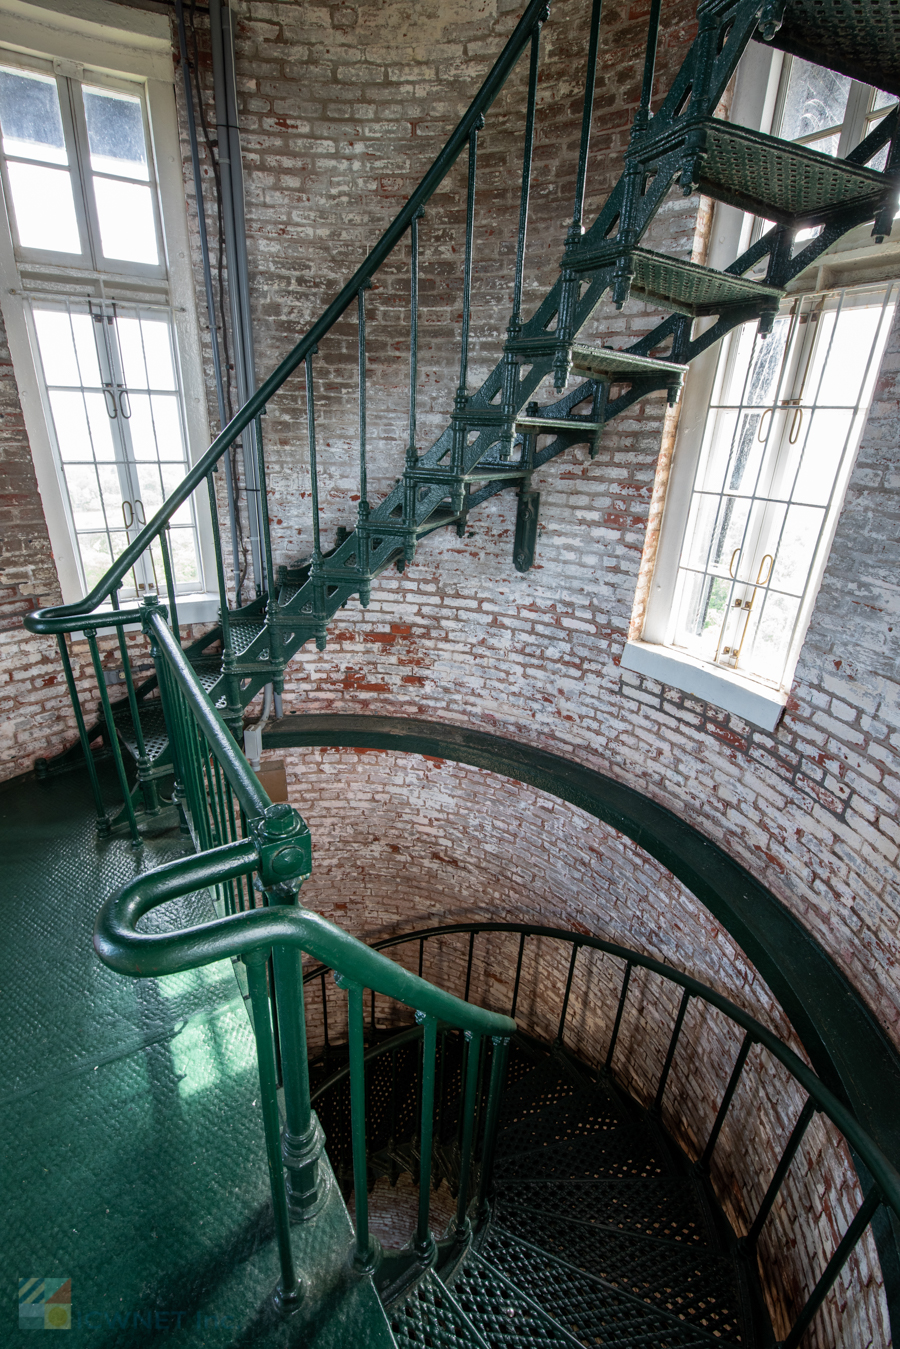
pixel 366 1251
pixel 284 840
pixel 425 1247
pixel 288 1292
pixel 136 840
pixel 492 1119
pixel 104 824
pixel 470 1101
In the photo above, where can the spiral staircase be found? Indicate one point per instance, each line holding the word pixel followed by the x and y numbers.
pixel 578 1221
pixel 600 1230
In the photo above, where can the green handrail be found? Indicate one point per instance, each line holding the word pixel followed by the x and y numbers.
pixel 123 948
pixel 883 1171
pixel 43 620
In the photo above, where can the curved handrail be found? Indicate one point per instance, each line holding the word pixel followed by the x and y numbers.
pixel 41 620
pixel 884 1173
pixel 139 954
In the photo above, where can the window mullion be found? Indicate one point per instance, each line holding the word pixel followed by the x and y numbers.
pixel 85 177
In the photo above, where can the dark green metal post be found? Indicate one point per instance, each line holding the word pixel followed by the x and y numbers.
pixel 864 1215
pixel 302 1139
pixel 136 840
pixel 425 1247
pixel 492 1119
pixel 366 1250
pixel 470 1100
pixel 104 824
pixel 288 1293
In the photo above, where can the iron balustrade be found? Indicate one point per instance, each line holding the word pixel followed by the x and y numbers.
pixel 884 1188
pixel 219 792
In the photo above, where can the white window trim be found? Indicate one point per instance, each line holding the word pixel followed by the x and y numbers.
pixel 90 33
pixel 646 653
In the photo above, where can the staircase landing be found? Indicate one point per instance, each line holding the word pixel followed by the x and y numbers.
pixel 131 1144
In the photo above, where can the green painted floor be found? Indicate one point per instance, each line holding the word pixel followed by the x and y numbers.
pixel 131 1148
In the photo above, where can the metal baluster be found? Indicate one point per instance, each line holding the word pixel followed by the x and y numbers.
pixel 224 617
pixel 515 998
pixel 136 840
pixel 470 1102
pixel 492 1118
pixel 327 1046
pixel 565 1007
pixel 362 527
pixel 288 1292
pixel 317 568
pixel 510 361
pixel 673 1045
pixel 469 966
pixel 781 1170
pixel 457 452
pixel 372 1010
pixel 864 1215
pixel 411 487
pixel 148 786
pixel 746 1045
pixel 569 281
pixel 643 116
pixel 366 1249
pixel 424 1239
pixel 163 537
pixel 104 824
pixel 421 954
pixel 619 1010
pixel 276 655
pixel 170 717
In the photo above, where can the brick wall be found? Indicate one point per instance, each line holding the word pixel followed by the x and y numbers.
pixel 342 108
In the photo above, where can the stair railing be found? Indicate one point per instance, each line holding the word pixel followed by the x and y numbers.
pixel 880 1189
pixel 220 795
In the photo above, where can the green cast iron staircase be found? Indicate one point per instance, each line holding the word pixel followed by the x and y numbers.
pixel 511 1148
pixel 491 441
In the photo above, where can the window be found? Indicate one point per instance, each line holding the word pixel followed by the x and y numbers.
pixel 768 432
pixel 782 428
pixel 94 253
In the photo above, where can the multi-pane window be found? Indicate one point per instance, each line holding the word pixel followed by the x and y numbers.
pixel 112 388
pixel 83 205
pixel 782 428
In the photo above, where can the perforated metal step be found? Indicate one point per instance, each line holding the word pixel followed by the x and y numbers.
pixel 618 1153
pixel 508 1318
pixel 692 1283
pixel 666 1208
pixel 590 1310
pixel 432 1316
pixel 620 366
pixel 860 38
pixel 685 287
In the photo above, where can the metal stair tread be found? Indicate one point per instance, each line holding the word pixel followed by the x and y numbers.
pixel 626 1151
pixel 511 1319
pixel 769 176
pixel 859 40
pixel 686 287
pixel 621 365
pixel 665 1207
pixel 153 728
pixel 431 1315
pixel 690 1282
pixel 581 1114
pixel 595 1312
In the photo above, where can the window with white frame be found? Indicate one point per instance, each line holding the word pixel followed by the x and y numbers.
pixel 766 442
pixel 781 432
pixel 86 238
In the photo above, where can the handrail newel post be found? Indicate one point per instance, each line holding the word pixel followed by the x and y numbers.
pixel 365 1253
pixel 284 846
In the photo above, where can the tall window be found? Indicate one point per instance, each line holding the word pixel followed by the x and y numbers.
pixel 83 203
pixel 782 428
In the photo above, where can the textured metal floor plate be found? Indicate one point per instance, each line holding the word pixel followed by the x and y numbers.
pixel 591 1311
pixel 432 1316
pixel 692 1283
pixel 787 181
pixel 621 1152
pixel 667 1208
pixel 508 1320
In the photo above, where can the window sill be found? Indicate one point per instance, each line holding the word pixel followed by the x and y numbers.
pixel 191 609
pixel 752 702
